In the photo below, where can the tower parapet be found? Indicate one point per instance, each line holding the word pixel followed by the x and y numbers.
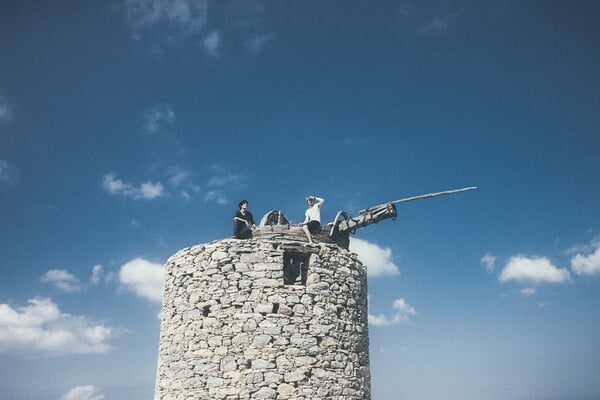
pixel 266 318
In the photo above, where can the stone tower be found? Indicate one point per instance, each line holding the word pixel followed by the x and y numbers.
pixel 265 318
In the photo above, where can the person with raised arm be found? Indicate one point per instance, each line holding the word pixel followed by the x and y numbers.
pixel 312 220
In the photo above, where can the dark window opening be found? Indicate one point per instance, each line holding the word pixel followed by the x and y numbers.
pixel 206 311
pixel 275 308
pixel 295 265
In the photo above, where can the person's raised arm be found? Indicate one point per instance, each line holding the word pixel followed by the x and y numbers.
pixel 319 200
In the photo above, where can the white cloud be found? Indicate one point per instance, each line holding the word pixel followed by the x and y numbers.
pixel 40 327
pixel 402 313
pixel 588 264
pixel 88 392
pixel 378 260
pixel 144 278
pixel 146 191
pixel 62 280
pixel 172 22
pixel 156 118
pixel 151 190
pixel 212 43
pixel 584 248
pixel 8 173
pixel 176 17
pixel 489 261
pixel 533 269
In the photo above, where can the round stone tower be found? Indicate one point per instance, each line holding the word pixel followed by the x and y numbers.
pixel 267 318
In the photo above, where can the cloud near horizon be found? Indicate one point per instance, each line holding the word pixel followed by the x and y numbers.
pixel 41 327
pixel 533 270
pixel 87 392
pixel 378 260
pixel 144 278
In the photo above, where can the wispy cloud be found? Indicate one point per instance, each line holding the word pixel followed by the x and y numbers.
pixel 439 25
pixel 257 43
pixel 67 282
pixel 489 261
pixel 220 177
pixel 6 110
pixel 533 270
pixel 177 175
pixel 88 392
pixel 144 278
pixel 378 260
pixel 586 261
pixel 156 118
pixel 97 272
pixel 62 280
pixel 146 191
pixel 528 292
pixel 8 173
pixel 173 18
pixel 41 327
pixel 215 196
pixel 402 312
pixel 166 23
pixel 212 43
pixel 180 179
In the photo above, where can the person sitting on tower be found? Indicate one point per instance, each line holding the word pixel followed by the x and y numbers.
pixel 312 220
pixel 243 222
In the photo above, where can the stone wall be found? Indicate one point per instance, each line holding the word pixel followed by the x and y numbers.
pixel 231 329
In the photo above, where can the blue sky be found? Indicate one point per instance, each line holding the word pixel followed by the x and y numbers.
pixel 131 129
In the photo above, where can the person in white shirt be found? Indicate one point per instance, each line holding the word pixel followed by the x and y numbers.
pixel 312 221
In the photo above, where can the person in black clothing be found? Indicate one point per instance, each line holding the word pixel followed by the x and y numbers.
pixel 243 222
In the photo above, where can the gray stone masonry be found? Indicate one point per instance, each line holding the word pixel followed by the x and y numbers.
pixel 231 329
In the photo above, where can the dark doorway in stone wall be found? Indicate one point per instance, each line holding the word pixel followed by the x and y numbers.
pixel 295 265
